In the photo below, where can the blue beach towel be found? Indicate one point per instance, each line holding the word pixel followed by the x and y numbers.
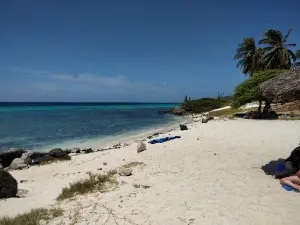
pixel 280 167
pixel 161 140
pixel 288 188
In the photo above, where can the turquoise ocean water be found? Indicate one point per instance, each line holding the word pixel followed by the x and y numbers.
pixel 37 125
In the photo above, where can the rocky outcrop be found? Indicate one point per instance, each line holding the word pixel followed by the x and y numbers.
pixel 20 163
pixel 44 159
pixel 6 157
pixel 8 185
pixel 36 155
pixel 59 154
pixel 87 151
pixel 183 127
pixel 75 150
pixel 175 111
pixel 141 147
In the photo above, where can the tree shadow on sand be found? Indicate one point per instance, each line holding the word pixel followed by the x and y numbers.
pixel 271 167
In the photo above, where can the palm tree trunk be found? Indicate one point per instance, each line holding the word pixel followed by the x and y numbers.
pixel 259 107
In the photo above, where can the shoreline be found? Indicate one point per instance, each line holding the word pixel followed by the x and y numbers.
pixel 236 149
pixel 126 138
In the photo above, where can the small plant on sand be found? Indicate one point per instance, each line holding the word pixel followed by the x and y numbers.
pixel 34 217
pixel 95 182
pixel 133 164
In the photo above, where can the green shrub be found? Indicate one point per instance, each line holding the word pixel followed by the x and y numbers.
pixel 34 217
pixel 249 91
pixel 95 182
pixel 205 104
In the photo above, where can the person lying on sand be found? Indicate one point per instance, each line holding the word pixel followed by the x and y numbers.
pixel 291 164
pixel 293 181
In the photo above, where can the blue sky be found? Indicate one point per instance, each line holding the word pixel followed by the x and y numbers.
pixel 146 51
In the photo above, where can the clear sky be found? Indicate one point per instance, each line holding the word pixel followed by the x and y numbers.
pixel 133 50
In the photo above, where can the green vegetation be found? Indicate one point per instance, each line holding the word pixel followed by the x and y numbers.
pixel 95 182
pixel 275 53
pixel 205 104
pixel 249 91
pixel 34 217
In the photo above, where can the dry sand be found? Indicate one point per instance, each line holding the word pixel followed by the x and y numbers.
pixel 212 175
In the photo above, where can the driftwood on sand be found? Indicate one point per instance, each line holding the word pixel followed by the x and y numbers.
pixel 284 87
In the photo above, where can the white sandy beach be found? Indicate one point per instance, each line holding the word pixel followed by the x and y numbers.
pixel 212 175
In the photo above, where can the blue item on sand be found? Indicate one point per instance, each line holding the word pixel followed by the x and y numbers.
pixel 161 140
pixel 280 167
pixel 288 188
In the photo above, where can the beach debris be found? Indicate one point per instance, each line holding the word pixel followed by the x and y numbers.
pixel 59 153
pixel 183 127
pixel 7 156
pixel 141 146
pixel 122 171
pixel 23 181
pixel 99 168
pixel 8 185
pixel 21 163
pixel 141 186
pixel 104 163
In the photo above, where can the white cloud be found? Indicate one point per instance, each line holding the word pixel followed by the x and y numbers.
pixel 87 78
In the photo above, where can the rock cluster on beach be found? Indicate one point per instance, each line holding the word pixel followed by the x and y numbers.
pixel 19 158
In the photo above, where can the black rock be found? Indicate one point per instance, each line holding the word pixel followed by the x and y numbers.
pixel 59 153
pixel 75 150
pixel 8 156
pixel 183 127
pixel 46 158
pixel 36 155
pixel 68 151
pixel 8 185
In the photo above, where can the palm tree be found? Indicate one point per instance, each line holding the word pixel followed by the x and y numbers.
pixel 277 54
pixel 249 56
pixel 297 64
pixel 298 54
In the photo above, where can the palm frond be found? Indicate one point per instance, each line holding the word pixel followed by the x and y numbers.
pixel 287 35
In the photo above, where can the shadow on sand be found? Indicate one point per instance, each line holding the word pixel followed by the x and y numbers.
pixel 271 167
